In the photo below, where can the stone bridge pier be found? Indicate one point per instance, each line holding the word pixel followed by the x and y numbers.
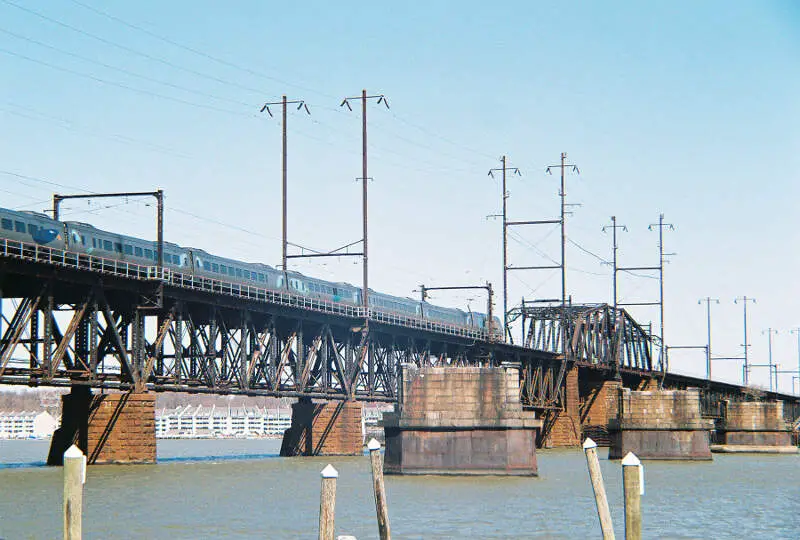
pixel 108 428
pixel 754 427
pixel 333 428
pixel 460 421
pixel 660 424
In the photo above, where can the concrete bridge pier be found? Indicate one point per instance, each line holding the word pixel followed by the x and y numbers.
pixel 660 424
pixel 333 428
pixel 754 427
pixel 460 421
pixel 108 428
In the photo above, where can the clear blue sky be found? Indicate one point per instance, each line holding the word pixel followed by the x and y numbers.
pixel 684 108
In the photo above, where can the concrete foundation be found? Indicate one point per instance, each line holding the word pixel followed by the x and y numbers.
pixel 108 428
pixel 460 421
pixel 660 424
pixel 755 427
pixel 324 429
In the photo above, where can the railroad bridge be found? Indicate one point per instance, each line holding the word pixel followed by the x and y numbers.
pixel 86 322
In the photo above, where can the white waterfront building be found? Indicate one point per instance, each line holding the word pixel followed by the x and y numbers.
pixel 26 424
pixel 199 421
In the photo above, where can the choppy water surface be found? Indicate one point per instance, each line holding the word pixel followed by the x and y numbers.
pixel 241 489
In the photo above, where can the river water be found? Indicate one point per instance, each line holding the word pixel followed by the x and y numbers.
pixel 242 489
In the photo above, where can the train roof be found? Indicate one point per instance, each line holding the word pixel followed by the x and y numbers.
pixel 27 213
pixel 37 214
pixel 227 260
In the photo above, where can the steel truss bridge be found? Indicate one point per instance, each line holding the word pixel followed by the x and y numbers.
pixel 595 334
pixel 77 319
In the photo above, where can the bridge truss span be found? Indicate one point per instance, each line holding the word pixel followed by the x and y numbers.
pixel 596 334
pixel 72 319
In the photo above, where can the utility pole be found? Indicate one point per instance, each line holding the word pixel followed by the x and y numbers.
pixel 746 368
pixel 661 225
pixel 707 300
pixel 796 331
pixel 504 169
pixel 364 178
pixel 285 243
pixel 561 221
pixel 614 228
pixel 563 194
pixel 773 368
pixel 664 358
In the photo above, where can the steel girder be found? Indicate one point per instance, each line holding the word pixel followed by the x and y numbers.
pixel 595 334
pixel 106 338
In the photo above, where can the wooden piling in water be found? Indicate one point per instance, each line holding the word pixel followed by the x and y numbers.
pixel 327 503
pixel 632 487
pixel 74 477
pixel 596 476
pixel 381 507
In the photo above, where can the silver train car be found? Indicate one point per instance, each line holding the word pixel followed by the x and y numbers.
pixel 75 236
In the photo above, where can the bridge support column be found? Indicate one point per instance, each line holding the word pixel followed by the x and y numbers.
pixel 108 428
pixel 599 405
pixel 755 427
pixel 562 429
pixel 324 429
pixel 460 421
pixel 660 424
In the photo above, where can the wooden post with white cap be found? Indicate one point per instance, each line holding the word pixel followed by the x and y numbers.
pixel 74 478
pixel 632 487
pixel 596 476
pixel 327 503
pixel 380 493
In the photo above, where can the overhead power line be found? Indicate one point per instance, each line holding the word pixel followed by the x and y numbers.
pixel 120 85
pixel 132 50
pixel 123 70
pixel 196 51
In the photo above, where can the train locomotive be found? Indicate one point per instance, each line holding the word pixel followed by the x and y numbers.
pixel 75 236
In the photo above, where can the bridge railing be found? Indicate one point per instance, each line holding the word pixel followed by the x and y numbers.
pixel 93 263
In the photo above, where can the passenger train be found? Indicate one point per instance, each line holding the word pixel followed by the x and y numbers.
pixel 34 227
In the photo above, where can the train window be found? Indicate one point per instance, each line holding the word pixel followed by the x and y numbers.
pixel 246 274
pixel 19 226
pixel 262 278
pixel 167 258
pixel 83 240
pixel 206 265
pixel 94 242
pixel 107 245
pixel 137 251
pixel 223 269
pixel 148 253
pixel 8 224
pixel 238 272
pixel 31 229
pixel 128 250
pixel 118 247
pixel 215 267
